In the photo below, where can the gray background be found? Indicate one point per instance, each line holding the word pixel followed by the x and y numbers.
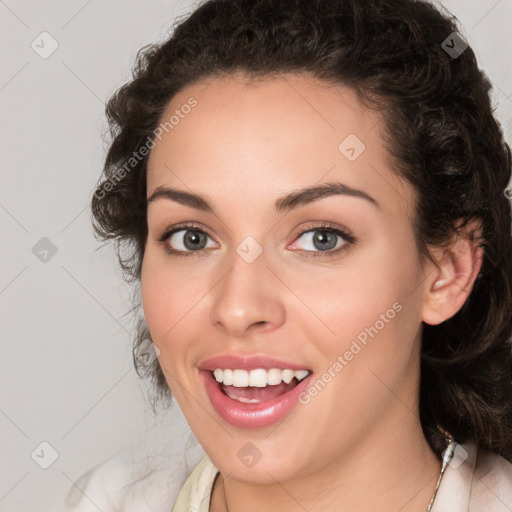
pixel 65 363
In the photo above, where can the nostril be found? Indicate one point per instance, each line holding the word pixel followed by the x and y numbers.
pixel 259 325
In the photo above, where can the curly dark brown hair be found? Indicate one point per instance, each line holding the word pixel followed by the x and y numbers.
pixel 439 129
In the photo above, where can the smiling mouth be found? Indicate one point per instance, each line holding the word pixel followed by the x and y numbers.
pixel 258 385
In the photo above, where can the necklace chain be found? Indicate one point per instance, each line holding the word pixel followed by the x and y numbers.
pixel 446 459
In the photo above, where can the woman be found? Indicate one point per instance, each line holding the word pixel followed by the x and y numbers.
pixel 315 196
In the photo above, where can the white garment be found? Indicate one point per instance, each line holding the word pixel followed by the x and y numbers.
pixel 474 481
pixel 132 482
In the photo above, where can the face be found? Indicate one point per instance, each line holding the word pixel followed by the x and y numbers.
pixel 326 284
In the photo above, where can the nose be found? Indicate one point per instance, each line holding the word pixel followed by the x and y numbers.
pixel 247 299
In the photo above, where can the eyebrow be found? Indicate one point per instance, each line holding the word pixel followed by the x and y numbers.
pixel 288 202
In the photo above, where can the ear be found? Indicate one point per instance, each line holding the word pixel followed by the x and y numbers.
pixel 449 283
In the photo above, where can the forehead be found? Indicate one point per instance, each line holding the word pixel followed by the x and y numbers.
pixel 271 135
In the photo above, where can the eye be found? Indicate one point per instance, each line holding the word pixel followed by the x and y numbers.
pixel 324 240
pixel 185 240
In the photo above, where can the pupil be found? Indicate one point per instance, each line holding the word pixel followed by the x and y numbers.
pixel 192 238
pixel 321 240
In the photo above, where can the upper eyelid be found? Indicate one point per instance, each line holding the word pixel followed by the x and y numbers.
pixel 186 227
pixel 319 226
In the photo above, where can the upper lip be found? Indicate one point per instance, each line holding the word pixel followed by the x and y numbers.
pixel 254 362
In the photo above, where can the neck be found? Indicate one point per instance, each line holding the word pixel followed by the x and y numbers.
pixel 398 474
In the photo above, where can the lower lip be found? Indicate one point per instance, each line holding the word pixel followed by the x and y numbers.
pixel 257 415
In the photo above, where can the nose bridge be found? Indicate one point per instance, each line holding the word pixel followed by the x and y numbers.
pixel 248 293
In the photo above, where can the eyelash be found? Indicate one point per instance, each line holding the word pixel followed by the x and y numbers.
pixel 349 240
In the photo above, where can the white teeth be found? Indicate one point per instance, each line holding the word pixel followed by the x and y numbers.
pixel 274 376
pixel 258 378
pixel 288 375
pixel 247 400
pixel 301 374
pixel 240 378
pixel 227 377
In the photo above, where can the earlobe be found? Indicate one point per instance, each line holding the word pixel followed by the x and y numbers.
pixel 448 286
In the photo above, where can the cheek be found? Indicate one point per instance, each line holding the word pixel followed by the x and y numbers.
pixel 161 289
pixel 366 341
pixel 356 291
pixel 165 308
pixel 171 297
pixel 366 308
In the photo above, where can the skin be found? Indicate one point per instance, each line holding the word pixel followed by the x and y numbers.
pixel 358 444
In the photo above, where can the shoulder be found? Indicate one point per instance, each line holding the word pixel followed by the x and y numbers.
pixel 475 480
pixel 94 488
pixel 131 482
pixel 491 487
